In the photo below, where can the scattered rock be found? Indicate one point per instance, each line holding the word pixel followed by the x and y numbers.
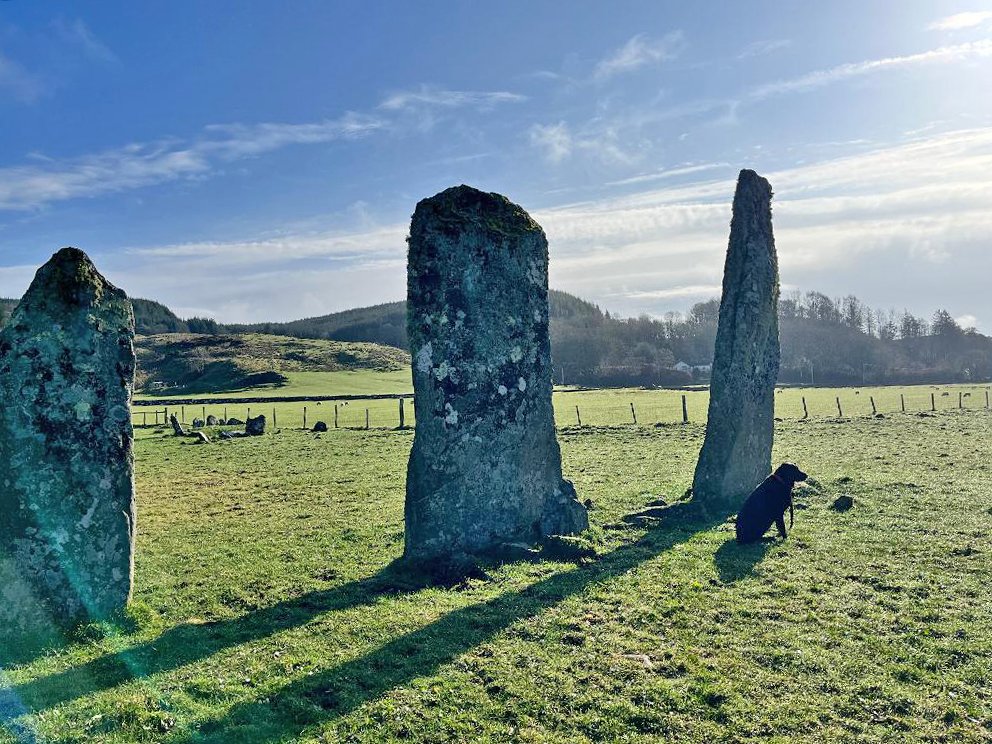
pixel 198 423
pixel 212 420
pixel 485 468
pixel 199 437
pixel 737 449
pixel 320 426
pixel 842 503
pixel 235 422
pixel 642 659
pixel 255 427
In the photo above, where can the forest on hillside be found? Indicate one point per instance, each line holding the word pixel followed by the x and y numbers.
pixel 829 341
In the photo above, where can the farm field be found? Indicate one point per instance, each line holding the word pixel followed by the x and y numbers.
pixel 268 607
pixel 606 407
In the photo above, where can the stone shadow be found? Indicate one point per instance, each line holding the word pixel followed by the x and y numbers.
pixel 341 689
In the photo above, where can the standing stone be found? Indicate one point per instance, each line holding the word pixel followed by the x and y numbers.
pixel 67 511
pixel 737 450
pixel 485 468
pixel 212 420
pixel 177 428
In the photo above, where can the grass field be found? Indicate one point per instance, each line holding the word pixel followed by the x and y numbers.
pixel 606 407
pixel 268 607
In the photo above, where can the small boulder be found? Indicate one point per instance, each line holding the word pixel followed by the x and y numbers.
pixel 198 423
pixel 212 420
pixel 235 422
pixel 320 426
pixel 255 427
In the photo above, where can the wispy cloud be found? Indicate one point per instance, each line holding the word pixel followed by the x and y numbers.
pixel 668 173
pixel 767 46
pixel 960 21
pixel 18 82
pixel 137 165
pixel 820 78
pixel 639 51
pixel 558 143
pixel 440 98
pixel 77 33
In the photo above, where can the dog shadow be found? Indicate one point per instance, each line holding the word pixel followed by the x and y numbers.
pixel 735 562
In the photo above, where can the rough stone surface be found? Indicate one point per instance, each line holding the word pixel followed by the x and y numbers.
pixel 212 420
pixel 255 427
pixel 67 508
pixel 320 426
pixel 177 427
pixel 485 468
pixel 198 423
pixel 737 449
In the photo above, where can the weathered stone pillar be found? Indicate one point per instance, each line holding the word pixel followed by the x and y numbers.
pixel 737 450
pixel 67 511
pixel 485 467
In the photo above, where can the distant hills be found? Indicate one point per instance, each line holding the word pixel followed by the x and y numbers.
pixel 826 341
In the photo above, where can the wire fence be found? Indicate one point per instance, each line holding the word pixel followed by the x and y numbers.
pixel 590 407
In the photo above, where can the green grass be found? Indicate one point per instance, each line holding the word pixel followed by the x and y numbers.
pixel 267 608
pixel 606 407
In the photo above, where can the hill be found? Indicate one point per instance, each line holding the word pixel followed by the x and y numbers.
pixel 190 363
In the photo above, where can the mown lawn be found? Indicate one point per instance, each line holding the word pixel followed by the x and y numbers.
pixel 268 608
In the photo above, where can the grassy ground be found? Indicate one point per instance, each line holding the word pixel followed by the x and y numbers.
pixel 267 608
pixel 596 407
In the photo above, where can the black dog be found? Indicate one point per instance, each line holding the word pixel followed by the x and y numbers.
pixel 767 504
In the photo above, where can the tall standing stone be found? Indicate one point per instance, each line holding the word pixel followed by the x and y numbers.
pixel 737 450
pixel 485 468
pixel 67 511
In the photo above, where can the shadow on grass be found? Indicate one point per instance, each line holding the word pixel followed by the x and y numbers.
pixel 735 562
pixel 187 643
pixel 341 689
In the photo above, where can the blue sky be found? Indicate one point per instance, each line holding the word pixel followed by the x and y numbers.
pixel 260 161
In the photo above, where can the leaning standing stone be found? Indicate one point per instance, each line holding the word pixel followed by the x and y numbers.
pixel 66 461
pixel 485 468
pixel 737 450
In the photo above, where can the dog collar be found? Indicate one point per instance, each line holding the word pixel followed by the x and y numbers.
pixel 779 478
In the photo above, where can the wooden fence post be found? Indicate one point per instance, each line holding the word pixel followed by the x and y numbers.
pixel 225 413
pixel 182 414
pixel 874 411
pixel 633 413
pixel 933 402
pixel 203 414
pixel 167 415
pixel 902 401
pixel 402 416
pixel 335 415
pixel 960 399
pixel 840 413
pixel 986 398
pixel 304 417
pixel 144 418
pixel 249 413
pixel 366 419
pixel 273 417
pixel 805 409
pixel 685 411
pixel 578 417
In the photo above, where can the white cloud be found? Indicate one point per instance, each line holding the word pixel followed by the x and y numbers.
pixel 760 48
pixel 966 321
pixel 78 34
pixel 554 139
pixel 18 82
pixel 960 21
pixel 133 166
pixel 436 97
pixel 820 78
pixel 639 51
pixel 669 173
